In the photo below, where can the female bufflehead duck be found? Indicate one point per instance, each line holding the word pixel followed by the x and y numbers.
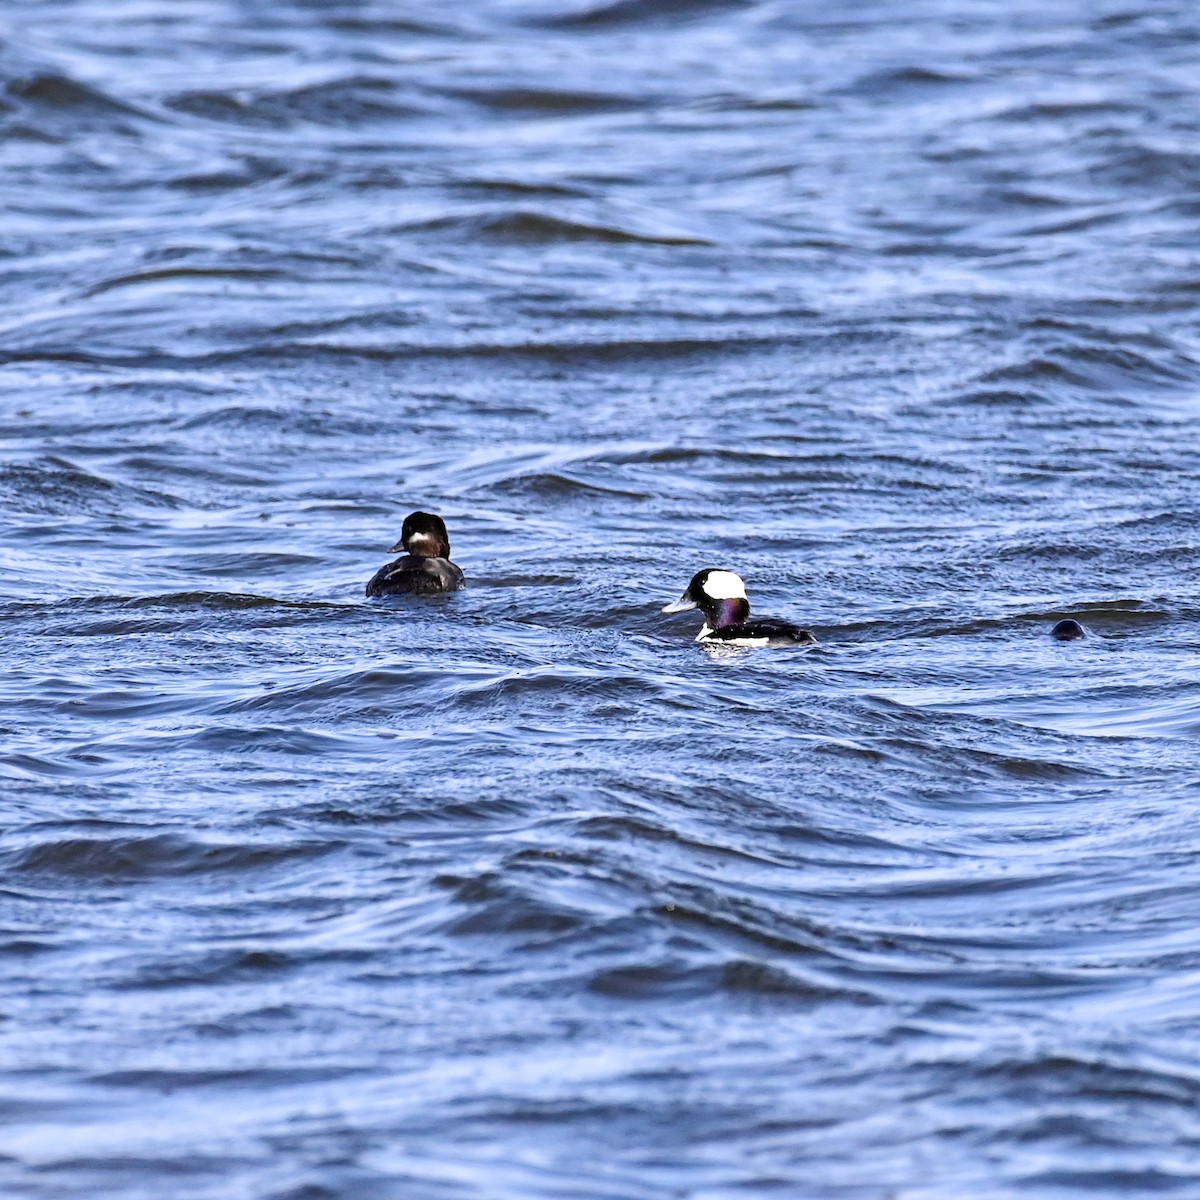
pixel 426 565
pixel 721 597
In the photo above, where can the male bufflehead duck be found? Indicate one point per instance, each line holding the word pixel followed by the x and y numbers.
pixel 1068 631
pixel 721 597
pixel 426 565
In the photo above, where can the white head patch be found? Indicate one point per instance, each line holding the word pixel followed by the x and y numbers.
pixel 724 585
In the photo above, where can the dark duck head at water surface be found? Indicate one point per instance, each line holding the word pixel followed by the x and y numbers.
pixel 425 566
pixel 1068 631
pixel 721 597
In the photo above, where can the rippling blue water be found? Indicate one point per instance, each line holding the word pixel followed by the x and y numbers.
pixel 518 892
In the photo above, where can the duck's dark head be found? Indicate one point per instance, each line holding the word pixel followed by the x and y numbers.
pixel 1068 631
pixel 423 536
pixel 719 595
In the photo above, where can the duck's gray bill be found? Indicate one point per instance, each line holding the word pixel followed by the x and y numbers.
pixel 396 548
pixel 681 605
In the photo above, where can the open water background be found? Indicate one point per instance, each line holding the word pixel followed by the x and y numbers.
pixel 892 307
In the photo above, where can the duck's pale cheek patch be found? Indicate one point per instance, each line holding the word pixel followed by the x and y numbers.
pixel 724 585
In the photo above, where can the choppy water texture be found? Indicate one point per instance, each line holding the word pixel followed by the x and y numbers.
pixel 891 307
